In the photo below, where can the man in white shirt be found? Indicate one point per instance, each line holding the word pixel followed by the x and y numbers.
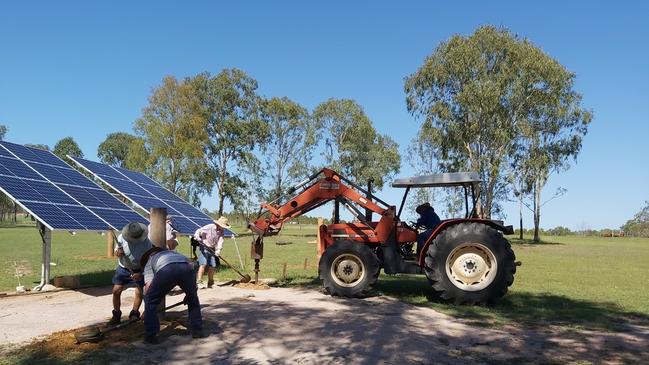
pixel 210 238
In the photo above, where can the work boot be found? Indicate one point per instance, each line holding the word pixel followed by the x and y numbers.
pixel 134 315
pixel 151 340
pixel 210 284
pixel 198 334
pixel 117 317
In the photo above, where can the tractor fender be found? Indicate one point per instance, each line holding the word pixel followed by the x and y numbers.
pixel 452 222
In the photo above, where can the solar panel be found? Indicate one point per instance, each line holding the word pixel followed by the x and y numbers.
pixel 145 193
pixel 57 195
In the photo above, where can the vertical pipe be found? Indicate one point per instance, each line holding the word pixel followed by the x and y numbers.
pixel 159 238
pixel 368 212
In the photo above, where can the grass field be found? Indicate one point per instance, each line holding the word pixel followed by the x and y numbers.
pixel 592 282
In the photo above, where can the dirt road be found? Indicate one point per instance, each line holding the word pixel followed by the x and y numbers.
pixel 306 327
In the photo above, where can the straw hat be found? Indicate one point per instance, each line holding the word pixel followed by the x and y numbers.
pixel 222 222
pixel 135 232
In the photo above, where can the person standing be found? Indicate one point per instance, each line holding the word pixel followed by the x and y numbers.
pixel 132 243
pixel 163 270
pixel 210 239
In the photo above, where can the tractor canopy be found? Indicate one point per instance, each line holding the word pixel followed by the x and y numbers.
pixel 447 179
pixel 470 181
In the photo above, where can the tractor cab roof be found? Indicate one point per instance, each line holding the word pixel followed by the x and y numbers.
pixel 447 179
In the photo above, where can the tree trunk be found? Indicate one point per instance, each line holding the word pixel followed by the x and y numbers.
pixel 537 210
pixel 520 213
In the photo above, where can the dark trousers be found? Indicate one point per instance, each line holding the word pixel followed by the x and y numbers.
pixel 422 238
pixel 181 274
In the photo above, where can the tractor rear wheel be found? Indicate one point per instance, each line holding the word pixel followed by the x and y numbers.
pixel 348 269
pixel 470 263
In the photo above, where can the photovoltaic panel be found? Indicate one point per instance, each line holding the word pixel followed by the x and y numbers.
pixel 145 193
pixel 58 195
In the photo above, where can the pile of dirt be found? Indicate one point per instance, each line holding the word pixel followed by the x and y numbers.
pixel 252 285
pixel 61 345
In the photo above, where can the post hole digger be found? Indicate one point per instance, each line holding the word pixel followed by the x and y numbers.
pixel 245 278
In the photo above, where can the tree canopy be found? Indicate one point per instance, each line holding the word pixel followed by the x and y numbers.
pixel 3 132
pixel 353 146
pixel 229 111
pixel 291 140
pixel 638 226
pixel 170 127
pixel 487 97
pixel 120 149
pixel 67 146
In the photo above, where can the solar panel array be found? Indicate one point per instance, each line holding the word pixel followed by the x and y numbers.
pixel 58 195
pixel 146 194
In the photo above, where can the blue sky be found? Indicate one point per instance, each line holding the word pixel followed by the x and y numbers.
pixel 85 69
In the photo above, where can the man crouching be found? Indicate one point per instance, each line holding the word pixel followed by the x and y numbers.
pixel 163 270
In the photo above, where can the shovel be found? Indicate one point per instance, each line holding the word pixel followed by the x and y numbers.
pixel 94 334
pixel 244 278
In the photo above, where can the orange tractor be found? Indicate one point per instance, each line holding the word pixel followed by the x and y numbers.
pixel 466 260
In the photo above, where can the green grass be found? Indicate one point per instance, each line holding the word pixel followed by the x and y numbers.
pixel 593 282
pixel 590 282
pixel 84 254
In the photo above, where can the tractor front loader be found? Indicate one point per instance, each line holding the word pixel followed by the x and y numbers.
pixel 466 260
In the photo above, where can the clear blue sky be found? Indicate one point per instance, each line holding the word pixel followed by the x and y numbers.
pixel 84 69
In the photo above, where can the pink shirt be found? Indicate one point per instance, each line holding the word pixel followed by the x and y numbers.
pixel 210 237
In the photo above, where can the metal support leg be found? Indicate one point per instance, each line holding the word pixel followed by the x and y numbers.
pixel 46 237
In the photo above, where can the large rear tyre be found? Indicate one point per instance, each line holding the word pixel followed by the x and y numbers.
pixel 470 263
pixel 348 269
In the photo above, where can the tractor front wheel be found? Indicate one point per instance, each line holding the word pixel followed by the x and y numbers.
pixel 470 263
pixel 348 269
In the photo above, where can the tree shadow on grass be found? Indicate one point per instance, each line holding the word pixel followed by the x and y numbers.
pixel 531 309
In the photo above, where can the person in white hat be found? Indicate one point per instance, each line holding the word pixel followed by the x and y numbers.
pixel 132 243
pixel 210 239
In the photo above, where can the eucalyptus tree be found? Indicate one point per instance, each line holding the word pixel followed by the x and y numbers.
pixel 291 140
pixel 477 96
pixel 352 144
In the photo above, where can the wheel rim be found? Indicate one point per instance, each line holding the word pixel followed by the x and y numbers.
pixel 348 270
pixel 471 266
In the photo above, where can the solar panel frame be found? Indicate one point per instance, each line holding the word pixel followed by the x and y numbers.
pixel 24 178
pixel 186 218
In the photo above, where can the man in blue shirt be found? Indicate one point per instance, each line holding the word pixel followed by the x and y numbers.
pixel 429 220
pixel 163 270
pixel 132 243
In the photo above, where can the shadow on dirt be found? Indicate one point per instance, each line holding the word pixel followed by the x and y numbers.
pixel 338 330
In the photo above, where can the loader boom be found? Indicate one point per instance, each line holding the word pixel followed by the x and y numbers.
pixel 322 187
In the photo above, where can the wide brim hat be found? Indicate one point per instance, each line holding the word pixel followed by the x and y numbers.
pixel 223 223
pixel 135 232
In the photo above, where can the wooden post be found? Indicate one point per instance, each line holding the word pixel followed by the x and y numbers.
pixel 284 271
pixel 318 249
pixel 159 238
pixel 110 252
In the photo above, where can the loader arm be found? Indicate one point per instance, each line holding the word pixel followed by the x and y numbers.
pixel 320 188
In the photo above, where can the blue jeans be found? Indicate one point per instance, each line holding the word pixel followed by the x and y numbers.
pixel 207 257
pixel 181 274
